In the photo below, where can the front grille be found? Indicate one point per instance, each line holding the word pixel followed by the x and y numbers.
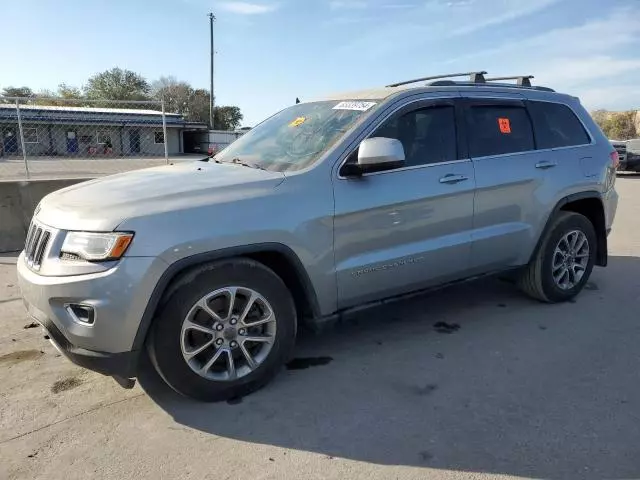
pixel 36 245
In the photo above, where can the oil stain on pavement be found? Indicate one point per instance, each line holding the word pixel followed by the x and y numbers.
pixel 66 384
pixel 306 362
pixel 444 327
pixel 20 356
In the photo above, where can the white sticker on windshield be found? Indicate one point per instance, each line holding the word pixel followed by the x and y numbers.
pixel 359 106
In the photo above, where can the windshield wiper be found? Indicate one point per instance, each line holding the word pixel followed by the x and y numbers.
pixel 237 161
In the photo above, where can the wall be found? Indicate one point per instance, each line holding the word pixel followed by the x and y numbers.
pixel 18 200
pixel 147 145
pixel 56 145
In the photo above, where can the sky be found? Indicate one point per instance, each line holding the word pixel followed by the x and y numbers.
pixel 268 52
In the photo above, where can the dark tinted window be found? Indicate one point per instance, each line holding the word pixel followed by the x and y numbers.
pixel 556 125
pixel 428 135
pixel 499 129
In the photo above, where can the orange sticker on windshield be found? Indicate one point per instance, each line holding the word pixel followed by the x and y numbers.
pixel 505 125
pixel 298 121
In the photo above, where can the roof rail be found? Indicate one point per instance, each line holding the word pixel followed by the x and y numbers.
pixel 474 77
pixel 522 80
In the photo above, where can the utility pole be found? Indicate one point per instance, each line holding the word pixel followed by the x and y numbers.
pixel 212 17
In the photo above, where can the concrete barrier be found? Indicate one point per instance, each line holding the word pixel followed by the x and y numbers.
pixel 18 200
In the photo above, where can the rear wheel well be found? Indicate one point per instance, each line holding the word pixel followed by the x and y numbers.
pixel 593 209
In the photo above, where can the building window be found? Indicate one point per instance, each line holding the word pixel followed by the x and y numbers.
pixel 30 135
pixel 86 139
pixel 104 138
pixel 158 137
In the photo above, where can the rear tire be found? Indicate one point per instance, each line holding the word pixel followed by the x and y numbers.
pixel 558 273
pixel 195 314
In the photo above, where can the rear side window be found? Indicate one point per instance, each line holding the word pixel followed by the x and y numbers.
pixel 499 129
pixel 556 125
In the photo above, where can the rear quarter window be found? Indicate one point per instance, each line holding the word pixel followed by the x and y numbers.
pixel 556 126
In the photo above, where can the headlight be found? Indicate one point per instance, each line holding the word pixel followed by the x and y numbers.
pixel 97 246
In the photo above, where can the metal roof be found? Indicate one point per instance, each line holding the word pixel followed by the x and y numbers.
pixel 88 115
pixel 56 108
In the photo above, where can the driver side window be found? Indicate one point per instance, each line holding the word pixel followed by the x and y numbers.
pixel 428 135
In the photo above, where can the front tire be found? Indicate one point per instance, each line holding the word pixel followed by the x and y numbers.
pixel 564 262
pixel 225 330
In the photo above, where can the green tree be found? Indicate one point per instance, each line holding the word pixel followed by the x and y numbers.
pixel 69 92
pixel 620 126
pixel 17 92
pixel 198 110
pixel 227 117
pixel 117 84
pixel 600 117
pixel 175 93
pixel 193 104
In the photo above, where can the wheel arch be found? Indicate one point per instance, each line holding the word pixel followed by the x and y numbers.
pixel 590 205
pixel 276 256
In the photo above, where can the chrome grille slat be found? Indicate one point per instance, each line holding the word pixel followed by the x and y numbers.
pixel 29 234
pixel 33 244
pixel 32 233
pixel 36 245
pixel 39 251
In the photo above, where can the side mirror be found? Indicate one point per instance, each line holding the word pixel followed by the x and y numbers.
pixel 375 155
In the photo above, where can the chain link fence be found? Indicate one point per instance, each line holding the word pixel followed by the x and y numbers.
pixel 58 138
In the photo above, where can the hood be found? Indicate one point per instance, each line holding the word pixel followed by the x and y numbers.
pixel 104 203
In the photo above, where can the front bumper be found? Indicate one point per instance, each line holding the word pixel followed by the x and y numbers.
pixel 118 296
pixel 123 364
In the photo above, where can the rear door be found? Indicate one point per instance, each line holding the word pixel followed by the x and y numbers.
pixel 509 176
pixel 406 228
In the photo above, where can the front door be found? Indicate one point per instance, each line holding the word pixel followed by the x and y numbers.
pixel 407 228
pixel 72 141
pixel 134 141
pixel 10 140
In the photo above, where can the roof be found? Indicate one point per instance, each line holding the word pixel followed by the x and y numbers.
pixel 380 93
pixel 56 108
pixel 476 80
pixel 377 93
pixel 88 115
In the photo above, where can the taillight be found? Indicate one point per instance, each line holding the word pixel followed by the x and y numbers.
pixel 615 159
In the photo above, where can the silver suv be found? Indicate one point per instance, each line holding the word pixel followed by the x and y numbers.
pixel 210 267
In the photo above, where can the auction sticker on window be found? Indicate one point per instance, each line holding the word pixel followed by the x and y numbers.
pixel 298 121
pixel 505 125
pixel 359 106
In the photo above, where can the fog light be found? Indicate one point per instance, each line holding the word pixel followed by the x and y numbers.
pixel 84 314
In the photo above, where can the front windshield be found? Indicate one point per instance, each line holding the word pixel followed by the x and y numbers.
pixel 295 137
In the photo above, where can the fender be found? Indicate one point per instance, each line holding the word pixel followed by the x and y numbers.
pixel 601 234
pixel 184 264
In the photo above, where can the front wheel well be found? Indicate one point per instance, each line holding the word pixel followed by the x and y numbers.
pixel 290 275
pixel 593 209
pixel 280 259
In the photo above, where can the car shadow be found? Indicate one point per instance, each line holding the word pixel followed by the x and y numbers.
pixel 473 378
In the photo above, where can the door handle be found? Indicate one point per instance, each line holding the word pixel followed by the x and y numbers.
pixel 545 164
pixel 451 178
